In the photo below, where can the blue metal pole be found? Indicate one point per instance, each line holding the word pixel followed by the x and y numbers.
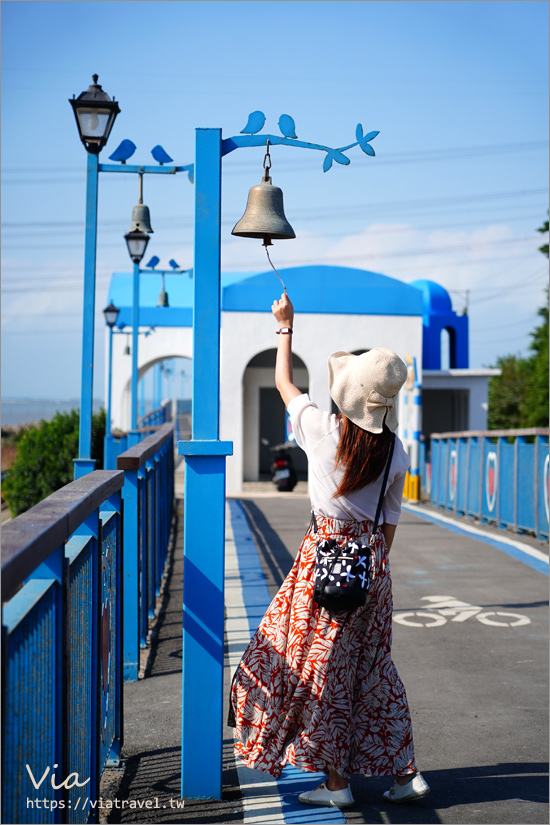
pixel 204 498
pixel 142 398
pixel 84 464
pixel 131 567
pixel 110 384
pixel 108 440
pixel 158 386
pixel 135 330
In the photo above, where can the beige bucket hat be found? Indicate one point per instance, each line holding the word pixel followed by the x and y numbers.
pixel 364 387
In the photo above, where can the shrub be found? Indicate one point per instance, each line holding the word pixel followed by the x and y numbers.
pixel 44 460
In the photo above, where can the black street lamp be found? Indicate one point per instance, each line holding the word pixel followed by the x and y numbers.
pixel 95 115
pixel 137 244
pixel 111 314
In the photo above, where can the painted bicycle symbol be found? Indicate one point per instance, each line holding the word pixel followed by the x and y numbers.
pixel 446 608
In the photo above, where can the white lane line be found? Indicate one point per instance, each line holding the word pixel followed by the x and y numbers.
pixel 467 528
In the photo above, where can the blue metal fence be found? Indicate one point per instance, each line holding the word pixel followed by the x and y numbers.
pixel 115 445
pixel 148 496
pixel 156 417
pixel 497 476
pixel 61 656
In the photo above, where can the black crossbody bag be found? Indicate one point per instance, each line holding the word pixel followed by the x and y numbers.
pixel 343 572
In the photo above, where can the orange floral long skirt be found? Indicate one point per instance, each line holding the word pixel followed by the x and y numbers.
pixel 319 689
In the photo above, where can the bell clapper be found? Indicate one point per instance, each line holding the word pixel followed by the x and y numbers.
pixel 267 239
pixel 269 259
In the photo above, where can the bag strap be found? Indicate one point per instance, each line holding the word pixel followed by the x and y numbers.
pixel 380 500
pixel 382 492
pixel 313 522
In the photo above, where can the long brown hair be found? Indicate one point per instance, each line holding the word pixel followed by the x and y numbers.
pixel 362 454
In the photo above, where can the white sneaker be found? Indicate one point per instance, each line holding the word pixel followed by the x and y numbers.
pixel 321 795
pixel 416 788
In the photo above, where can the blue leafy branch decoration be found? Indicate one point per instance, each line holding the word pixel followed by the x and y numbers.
pixel 256 120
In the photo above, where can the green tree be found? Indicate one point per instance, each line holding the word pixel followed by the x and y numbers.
pixel 506 392
pixel 544 229
pixel 44 460
pixel 519 396
pixel 534 404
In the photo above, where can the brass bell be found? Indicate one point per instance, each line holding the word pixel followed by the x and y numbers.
pixel 264 216
pixel 141 219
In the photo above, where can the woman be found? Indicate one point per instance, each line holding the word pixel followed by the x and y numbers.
pixel 317 688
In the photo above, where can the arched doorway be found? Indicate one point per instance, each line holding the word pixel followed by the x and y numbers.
pixel 264 414
pixel 161 379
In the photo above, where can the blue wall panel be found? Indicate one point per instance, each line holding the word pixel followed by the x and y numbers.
pixel 505 492
pixel 526 486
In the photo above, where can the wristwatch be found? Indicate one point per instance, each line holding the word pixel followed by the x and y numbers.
pixel 285 330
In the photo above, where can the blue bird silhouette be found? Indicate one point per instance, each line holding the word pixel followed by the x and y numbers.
pixel 363 140
pixel 287 126
pixel 153 262
pixel 173 264
pixel 123 151
pixel 160 155
pixel 255 122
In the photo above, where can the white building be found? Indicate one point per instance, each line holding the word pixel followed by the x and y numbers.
pixel 337 308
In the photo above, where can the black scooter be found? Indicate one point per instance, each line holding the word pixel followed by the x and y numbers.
pixel 283 474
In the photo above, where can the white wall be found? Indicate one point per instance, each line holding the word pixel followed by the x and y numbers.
pixel 475 381
pixel 316 336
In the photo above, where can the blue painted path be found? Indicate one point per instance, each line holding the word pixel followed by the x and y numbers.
pixel 247 598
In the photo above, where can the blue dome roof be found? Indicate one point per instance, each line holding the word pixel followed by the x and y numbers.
pixel 325 289
pixel 435 299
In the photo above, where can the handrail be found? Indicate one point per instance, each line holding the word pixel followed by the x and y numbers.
pixel 30 538
pixel 528 431
pixel 162 412
pixel 136 456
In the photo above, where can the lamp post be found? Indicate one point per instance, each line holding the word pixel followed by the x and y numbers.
pixel 205 458
pixel 111 314
pixel 95 114
pixel 136 241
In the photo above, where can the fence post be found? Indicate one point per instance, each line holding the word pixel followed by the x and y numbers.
pixel 131 577
pixel 204 499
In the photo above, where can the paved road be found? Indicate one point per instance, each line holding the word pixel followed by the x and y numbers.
pixel 477 689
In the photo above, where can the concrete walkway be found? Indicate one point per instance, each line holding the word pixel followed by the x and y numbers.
pixel 470 643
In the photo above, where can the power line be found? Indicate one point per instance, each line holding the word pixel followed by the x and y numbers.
pixel 426 251
pixel 77 227
pixel 309 163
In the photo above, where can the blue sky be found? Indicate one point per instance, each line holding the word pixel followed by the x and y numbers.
pixel 458 187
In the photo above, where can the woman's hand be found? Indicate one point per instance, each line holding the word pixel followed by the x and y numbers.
pixel 283 311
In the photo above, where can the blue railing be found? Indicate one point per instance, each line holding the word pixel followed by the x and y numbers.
pixel 156 417
pixel 148 496
pixel 497 476
pixel 116 444
pixel 62 651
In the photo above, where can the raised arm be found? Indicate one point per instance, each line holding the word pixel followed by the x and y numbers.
pixel 284 313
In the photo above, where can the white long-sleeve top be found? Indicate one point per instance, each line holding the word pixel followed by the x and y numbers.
pixel 318 434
